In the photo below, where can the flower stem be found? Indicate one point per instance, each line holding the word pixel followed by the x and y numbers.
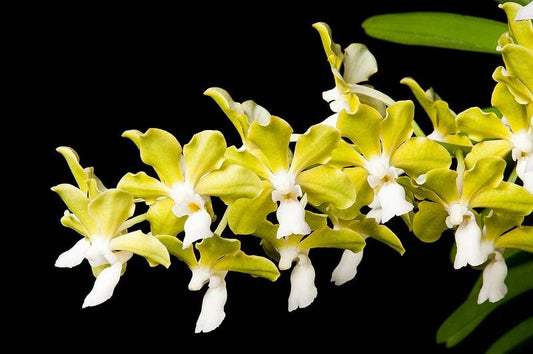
pixel 416 128
pixel 133 221
pixel 222 223
pixel 460 170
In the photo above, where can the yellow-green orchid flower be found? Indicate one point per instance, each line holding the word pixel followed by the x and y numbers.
pixel 385 150
pixel 189 179
pixel 218 256
pixel 517 52
pixel 497 137
pixel 296 248
pixel 352 219
pixel 501 231
pixel 240 114
pixel 358 65
pixel 440 114
pixel 453 196
pixel 267 153
pixel 102 218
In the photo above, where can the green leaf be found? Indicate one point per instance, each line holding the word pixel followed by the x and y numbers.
pixel 329 238
pixel 143 245
pixel 246 214
pixel 162 220
pixel 513 338
pixel 214 248
pixel 494 148
pixel 363 128
pixel 397 125
pixel 519 238
pixel 73 161
pixel 246 159
pixel 370 228
pixel 204 153
pixel 110 210
pixel 429 222
pixel 437 29
pixel 486 174
pixel 230 183
pixel 254 265
pixel 507 197
pixel 469 315
pixel 324 184
pixel 314 147
pixel 480 125
pixel 271 143
pixel 151 144
pixel 142 186
pixel 175 248
pixel 77 202
pixel 419 155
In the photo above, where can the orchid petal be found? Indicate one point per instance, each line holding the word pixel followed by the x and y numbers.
pixel 303 289
pixel 104 285
pixel 73 256
pixel 347 267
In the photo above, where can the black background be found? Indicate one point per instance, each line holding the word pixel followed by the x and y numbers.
pixel 89 73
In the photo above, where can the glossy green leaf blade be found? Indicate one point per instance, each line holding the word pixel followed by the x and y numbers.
pixel 521 2
pixel 437 29
pixel 469 315
pixel 513 338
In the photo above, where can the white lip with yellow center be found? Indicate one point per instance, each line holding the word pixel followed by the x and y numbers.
pixel 189 203
pixel 389 196
pixel 290 212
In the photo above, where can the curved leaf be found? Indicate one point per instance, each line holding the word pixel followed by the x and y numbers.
pixel 469 315
pixel 513 338
pixel 437 29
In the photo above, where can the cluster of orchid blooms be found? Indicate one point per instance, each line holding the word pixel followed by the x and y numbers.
pixel 333 186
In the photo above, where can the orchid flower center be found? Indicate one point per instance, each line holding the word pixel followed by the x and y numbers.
pixel 285 186
pixel 522 144
pixel 186 200
pixel 380 171
pixel 99 252
pixel 457 213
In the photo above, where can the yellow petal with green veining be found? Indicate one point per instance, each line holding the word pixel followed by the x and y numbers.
pixel 479 125
pixel 230 183
pixel 314 147
pixel 203 154
pixel 363 129
pixel 110 210
pixel 143 245
pixel 162 220
pixel 142 186
pixel 324 184
pixel 270 143
pixel 151 144
pixel 397 126
pixel 77 202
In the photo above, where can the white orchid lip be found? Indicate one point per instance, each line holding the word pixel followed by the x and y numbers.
pixel 284 184
pixel 347 267
pixel 494 274
pixel 200 276
pixel 380 171
pixel 287 256
pixel 522 145
pixel 212 313
pixel 525 13
pixel 303 289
